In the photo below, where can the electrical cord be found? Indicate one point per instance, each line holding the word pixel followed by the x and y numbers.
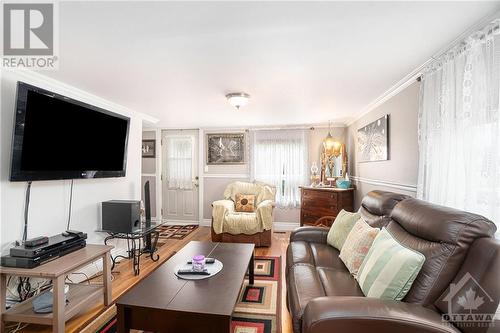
pixel 24 285
pixel 87 279
pixel 24 288
pixel 26 211
pixel 17 327
pixel 70 205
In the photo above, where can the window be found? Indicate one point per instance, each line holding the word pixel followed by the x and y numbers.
pixel 459 127
pixel 280 159
pixel 179 162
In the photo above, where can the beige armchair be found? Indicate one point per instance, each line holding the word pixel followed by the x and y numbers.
pixel 231 226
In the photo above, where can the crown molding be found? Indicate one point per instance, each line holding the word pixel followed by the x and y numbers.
pixel 62 88
pixel 389 93
pixel 417 72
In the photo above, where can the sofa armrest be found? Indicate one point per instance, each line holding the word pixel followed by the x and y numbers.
pixel 364 314
pixel 309 234
pixel 266 203
pixel 226 205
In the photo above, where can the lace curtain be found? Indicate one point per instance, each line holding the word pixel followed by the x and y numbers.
pixel 180 162
pixel 280 159
pixel 459 131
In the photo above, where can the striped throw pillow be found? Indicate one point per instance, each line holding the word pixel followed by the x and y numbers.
pixel 389 269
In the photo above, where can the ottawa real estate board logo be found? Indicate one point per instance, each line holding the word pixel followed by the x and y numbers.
pixel 469 304
pixel 29 35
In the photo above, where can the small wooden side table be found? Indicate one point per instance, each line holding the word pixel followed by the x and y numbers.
pixel 78 296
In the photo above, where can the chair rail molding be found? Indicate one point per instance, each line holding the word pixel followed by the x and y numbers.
pixel 385 183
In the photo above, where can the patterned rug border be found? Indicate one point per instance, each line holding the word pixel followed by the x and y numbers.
pixel 279 292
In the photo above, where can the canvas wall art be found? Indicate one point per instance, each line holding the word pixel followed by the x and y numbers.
pixel 373 141
pixel 226 148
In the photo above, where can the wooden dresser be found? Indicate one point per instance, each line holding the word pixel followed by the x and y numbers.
pixel 317 202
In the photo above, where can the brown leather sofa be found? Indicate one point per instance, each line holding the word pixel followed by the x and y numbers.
pixel 323 297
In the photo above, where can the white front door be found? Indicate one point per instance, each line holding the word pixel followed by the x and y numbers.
pixel 180 175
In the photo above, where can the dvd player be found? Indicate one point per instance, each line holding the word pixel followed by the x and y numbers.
pixel 59 245
pixel 54 243
pixel 23 262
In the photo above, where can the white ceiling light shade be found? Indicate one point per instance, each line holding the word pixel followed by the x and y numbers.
pixel 238 99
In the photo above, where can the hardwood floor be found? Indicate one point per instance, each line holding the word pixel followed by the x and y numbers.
pixel 124 279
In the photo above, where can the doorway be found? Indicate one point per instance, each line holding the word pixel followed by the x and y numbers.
pixel 180 181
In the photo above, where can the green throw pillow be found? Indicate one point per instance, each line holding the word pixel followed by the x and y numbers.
pixel 341 227
pixel 389 268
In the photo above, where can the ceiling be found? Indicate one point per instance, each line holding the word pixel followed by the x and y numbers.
pixel 301 62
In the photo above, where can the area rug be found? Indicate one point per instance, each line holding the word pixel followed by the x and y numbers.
pixel 257 310
pixel 175 231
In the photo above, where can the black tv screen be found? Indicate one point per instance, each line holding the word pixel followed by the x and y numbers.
pixel 56 137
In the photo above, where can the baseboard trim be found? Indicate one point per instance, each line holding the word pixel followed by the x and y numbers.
pixel 226 175
pixel 384 183
pixel 181 222
pixel 206 223
pixel 285 226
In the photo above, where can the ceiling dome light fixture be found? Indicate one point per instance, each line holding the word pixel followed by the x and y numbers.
pixel 238 99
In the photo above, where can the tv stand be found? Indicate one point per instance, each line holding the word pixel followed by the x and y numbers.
pixel 79 295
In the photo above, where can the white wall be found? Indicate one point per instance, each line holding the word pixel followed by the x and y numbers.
pixel 216 178
pixel 399 173
pixel 50 199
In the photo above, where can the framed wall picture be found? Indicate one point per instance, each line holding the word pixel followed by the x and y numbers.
pixel 148 148
pixel 225 148
pixel 373 141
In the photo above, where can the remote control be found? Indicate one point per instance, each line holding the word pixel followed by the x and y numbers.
pixel 207 261
pixel 191 272
pixel 72 233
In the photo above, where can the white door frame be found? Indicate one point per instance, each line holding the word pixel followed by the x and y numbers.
pixel 157 174
pixel 201 175
pixel 163 133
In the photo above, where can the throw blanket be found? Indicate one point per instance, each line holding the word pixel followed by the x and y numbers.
pixel 226 219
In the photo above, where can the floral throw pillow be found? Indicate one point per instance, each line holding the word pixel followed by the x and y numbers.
pixel 245 203
pixel 357 245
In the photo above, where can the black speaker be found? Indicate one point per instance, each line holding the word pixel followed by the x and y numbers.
pixel 147 208
pixel 121 216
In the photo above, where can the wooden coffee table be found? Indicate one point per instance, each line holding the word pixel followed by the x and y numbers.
pixel 162 302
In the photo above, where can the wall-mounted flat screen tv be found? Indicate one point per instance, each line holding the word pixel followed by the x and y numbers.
pixel 56 137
